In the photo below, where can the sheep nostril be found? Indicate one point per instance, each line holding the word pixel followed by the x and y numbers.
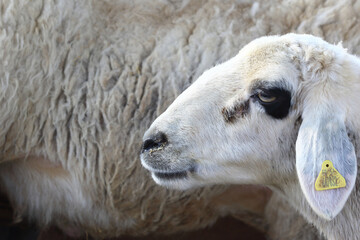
pixel 149 144
pixel 154 142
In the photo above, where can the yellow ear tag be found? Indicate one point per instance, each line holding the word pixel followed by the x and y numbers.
pixel 329 177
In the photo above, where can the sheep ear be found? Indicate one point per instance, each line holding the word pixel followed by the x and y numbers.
pixel 326 185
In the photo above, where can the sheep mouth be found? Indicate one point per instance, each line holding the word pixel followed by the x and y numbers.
pixel 171 175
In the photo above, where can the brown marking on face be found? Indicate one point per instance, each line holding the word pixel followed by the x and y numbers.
pixel 238 110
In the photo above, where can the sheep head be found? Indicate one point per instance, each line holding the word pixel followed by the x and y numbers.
pixel 272 114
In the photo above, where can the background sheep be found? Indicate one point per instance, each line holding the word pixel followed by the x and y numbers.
pixel 82 81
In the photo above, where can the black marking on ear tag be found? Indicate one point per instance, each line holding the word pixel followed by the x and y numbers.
pixel 329 178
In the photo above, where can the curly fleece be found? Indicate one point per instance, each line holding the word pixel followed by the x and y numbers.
pixel 81 81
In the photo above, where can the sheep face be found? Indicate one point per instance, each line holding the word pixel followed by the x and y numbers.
pixel 241 122
pixel 221 128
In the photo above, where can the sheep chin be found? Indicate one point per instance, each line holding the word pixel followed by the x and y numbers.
pixel 179 183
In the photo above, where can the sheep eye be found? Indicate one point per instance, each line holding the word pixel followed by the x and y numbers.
pixel 266 98
pixel 276 101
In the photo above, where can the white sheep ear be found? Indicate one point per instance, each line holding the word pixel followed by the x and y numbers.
pixel 324 137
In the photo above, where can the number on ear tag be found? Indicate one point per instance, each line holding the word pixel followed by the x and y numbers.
pixel 329 178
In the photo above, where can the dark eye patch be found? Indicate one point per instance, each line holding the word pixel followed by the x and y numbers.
pixel 279 108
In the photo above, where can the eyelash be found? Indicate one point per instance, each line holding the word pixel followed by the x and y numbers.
pixel 265 94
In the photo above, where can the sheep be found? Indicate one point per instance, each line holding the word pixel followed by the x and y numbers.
pixel 81 81
pixel 76 97
pixel 277 114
